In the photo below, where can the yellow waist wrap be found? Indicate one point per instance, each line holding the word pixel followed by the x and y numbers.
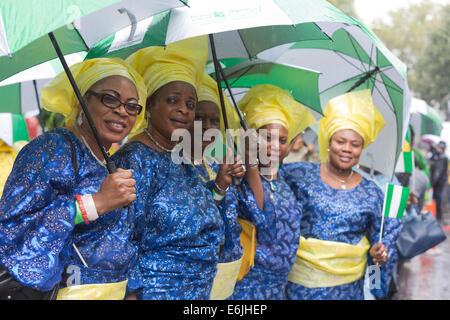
pixel 322 263
pixel 248 242
pixel 96 291
pixel 225 279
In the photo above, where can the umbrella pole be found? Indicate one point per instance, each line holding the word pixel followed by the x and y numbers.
pixel 41 122
pixel 222 101
pixel 241 117
pixel 110 165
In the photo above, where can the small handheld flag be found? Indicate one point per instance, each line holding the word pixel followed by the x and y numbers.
pixel 395 201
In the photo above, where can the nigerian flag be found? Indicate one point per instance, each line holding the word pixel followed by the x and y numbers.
pixel 395 201
pixel 405 161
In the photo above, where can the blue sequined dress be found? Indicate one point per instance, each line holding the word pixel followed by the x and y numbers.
pixel 178 227
pixel 37 213
pixel 338 215
pixel 277 244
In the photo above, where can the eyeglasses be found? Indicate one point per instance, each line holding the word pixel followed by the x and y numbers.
pixel 133 109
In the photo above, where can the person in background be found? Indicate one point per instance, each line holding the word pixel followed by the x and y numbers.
pixel 301 151
pixel 7 156
pixel 439 176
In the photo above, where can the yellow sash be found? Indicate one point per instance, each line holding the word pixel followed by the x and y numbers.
pixel 322 263
pixel 225 279
pixel 97 291
pixel 248 242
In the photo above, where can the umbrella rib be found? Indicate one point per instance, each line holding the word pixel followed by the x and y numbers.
pixel 389 86
pixel 243 43
pixel 356 51
pixel 382 96
pixel 341 55
pixel 81 37
pixel 243 74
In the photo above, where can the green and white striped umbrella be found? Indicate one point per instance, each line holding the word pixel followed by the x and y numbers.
pixel 355 59
pixel 21 92
pixel 241 28
pixel 13 128
pixel 76 24
pixel 424 119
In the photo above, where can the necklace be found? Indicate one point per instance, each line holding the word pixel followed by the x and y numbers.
pixel 273 187
pixel 343 181
pixel 103 163
pixel 155 142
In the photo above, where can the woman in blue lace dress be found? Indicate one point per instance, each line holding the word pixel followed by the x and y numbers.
pixel 178 227
pixel 270 109
pixel 41 219
pixel 341 210
pixel 213 169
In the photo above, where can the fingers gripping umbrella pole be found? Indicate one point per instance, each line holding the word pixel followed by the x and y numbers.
pixel 222 101
pixel 110 165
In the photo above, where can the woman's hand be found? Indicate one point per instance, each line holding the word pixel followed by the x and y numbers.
pixel 379 253
pixel 116 191
pixel 227 171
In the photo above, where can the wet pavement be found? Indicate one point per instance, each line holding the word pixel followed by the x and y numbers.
pixel 427 276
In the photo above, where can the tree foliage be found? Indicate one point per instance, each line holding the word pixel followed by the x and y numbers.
pixel 346 6
pixel 407 35
pixel 433 66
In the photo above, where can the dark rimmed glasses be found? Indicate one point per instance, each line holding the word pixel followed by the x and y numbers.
pixel 133 109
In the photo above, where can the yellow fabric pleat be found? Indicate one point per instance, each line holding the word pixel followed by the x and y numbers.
pixel 7 158
pixel 322 263
pixel 248 242
pixel 225 279
pixel 97 291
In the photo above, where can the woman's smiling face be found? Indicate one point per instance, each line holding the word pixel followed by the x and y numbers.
pixel 172 107
pixel 345 149
pixel 113 125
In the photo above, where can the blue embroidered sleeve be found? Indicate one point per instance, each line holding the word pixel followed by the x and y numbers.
pixel 37 212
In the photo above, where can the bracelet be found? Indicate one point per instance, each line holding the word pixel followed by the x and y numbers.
pixel 216 196
pixel 83 210
pixel 91 210
pixel 220 189
pixel 78 217
pixel 253 165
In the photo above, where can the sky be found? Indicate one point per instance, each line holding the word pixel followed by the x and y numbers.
pixel 368 10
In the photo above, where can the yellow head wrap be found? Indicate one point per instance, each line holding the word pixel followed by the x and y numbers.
pixel 183 60
pixel 208 91
pixel 354 110
pixel 266 104
pixel 58 95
